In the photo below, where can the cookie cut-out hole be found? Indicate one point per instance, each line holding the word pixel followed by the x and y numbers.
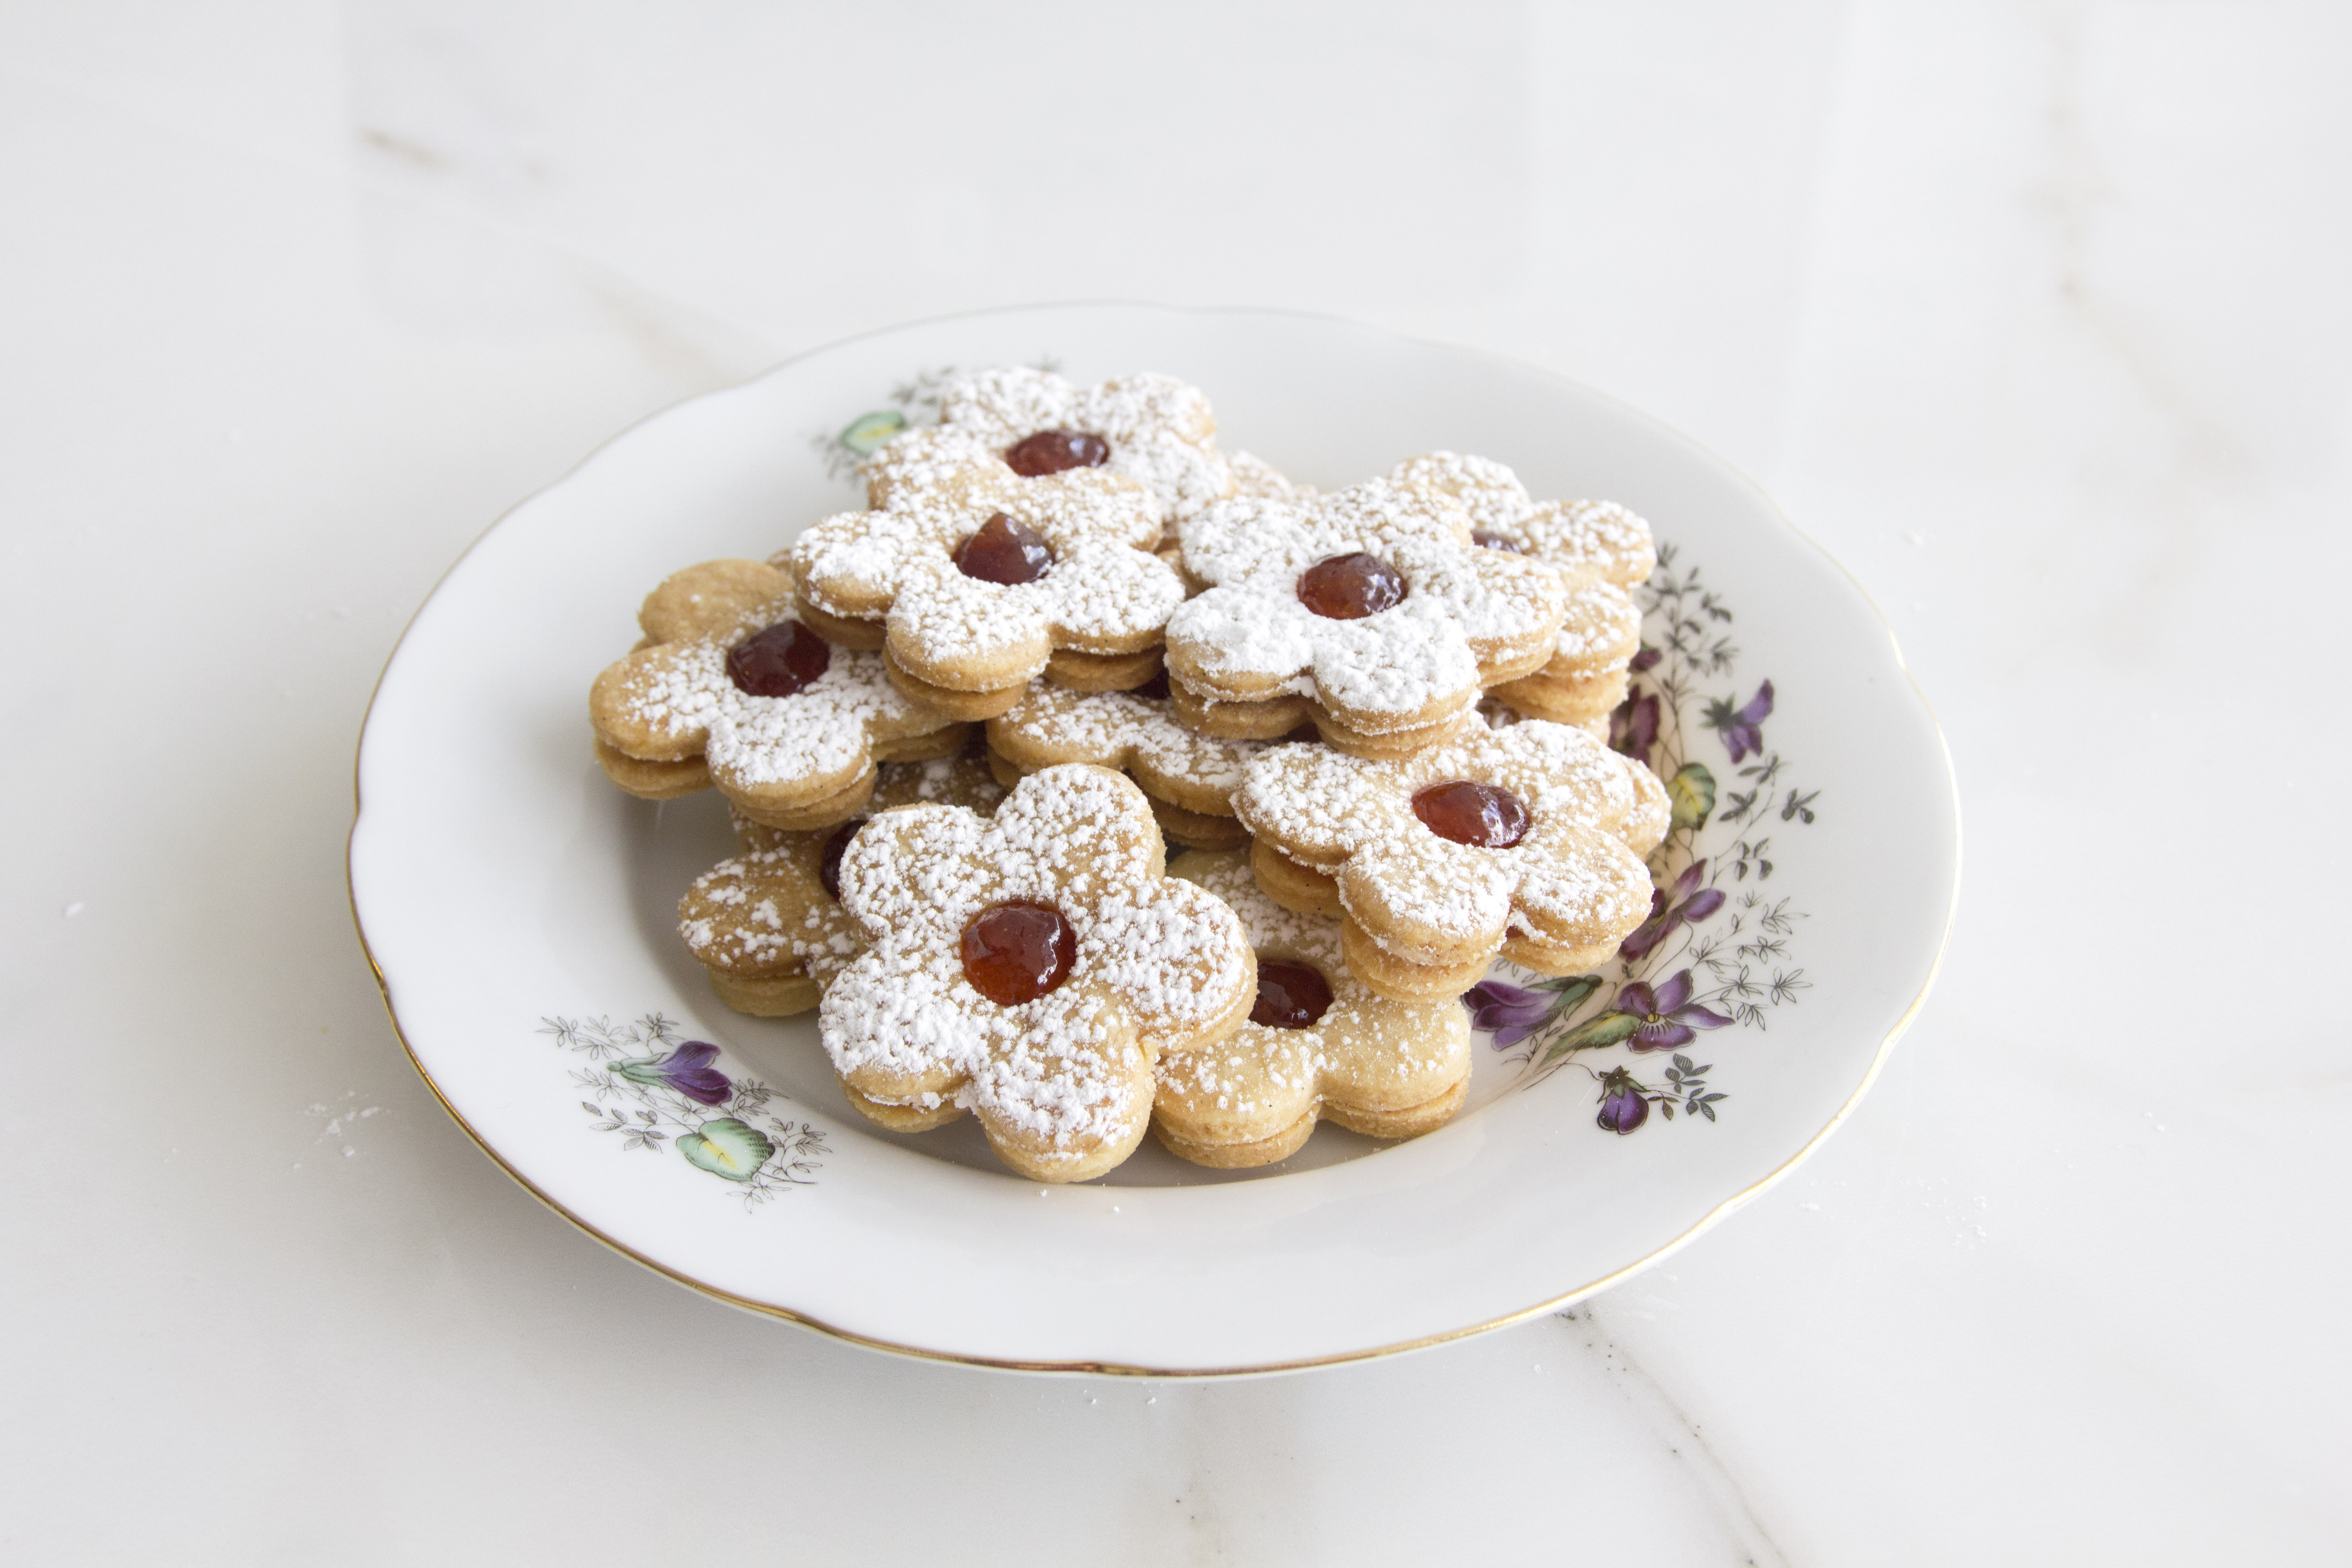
pixel 1487 540
pixel 1349 587
pixel 1052 451
pixel 1479 815
pixel 1016 952
pixel 785 658
pixel 1003 552
pixel 1289 995
pixel 828 865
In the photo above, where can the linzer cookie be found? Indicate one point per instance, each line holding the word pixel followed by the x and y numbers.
pixel 729 688
pixel 1027 424
pixel 1369 611
pixel 1318 1043
pixel 1600 545
pixel 1190 778
pixel 1526 841
pixel 767 925
pixel 974 589
pixel 1031 969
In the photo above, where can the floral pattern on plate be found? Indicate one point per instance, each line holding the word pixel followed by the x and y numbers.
pixel 664 1089
pixel 1716 952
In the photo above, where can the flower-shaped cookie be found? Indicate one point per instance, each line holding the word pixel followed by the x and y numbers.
pixel 729 688
pixel 1031 969
pixel 1155 430
pixel 767 925
pixel 1526 840
pixel 1369 606
pixel 1188 777
pixel 977 588
pixel 1318 1043
pixel 1600 545
pixel 1586 538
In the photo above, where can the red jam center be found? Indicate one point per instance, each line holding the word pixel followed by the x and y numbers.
pixel 1051 451
pixel 1474 814
pixel 1003 552
pixel 828 867
pixel 779 661
pixel 1349 587
pixel 1016 952
pixel 1289 995
pixel 1490 541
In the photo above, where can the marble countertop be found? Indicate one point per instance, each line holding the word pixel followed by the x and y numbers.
pixel 2034 316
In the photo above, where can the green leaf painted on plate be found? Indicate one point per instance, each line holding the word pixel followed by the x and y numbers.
pixel 1574 993
pixel 868 431
pixel 1692 792
pixel 726 1148
pixel 1608 1029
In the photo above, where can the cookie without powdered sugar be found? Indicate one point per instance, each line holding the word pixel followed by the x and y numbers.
pixel 1031 969
pixel 1369 610
pixel 1320 1043
pixel 1525 841
pixel 730 688
pixel 975 589
pixel 1022 423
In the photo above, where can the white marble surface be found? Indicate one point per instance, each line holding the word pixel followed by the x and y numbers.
pixel 2033 314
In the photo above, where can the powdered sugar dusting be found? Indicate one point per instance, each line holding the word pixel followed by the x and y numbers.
pixel 1250 627
pixel 1161 430
pixel 1121 729
pixel 1104 591
pixel 823 730
pixel 1403 1052
pixel 1585 538
pixel 1411 889
pixel 1154 960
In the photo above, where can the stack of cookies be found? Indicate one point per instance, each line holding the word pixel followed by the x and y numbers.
pixel 963 730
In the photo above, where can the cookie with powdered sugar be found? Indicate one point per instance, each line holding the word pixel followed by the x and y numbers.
pixel 1601 546
pixel 730 686
pixel 1027 424
pixel 1319 1043
pixel 971 590
pixel 1369 611
pixel 1188 777
pixel 1525 841
pixel 766 924
pixel 1032 968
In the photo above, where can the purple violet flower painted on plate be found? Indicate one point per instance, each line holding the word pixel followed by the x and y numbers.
pixel 1685 901
pixel 1668 1015
pixel 686 1070
pixel 1634 727
pixel 1624 1106
pixel 1742 728
pixel 1511 1012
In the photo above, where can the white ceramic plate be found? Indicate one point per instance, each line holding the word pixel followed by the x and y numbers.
pixel 519 909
